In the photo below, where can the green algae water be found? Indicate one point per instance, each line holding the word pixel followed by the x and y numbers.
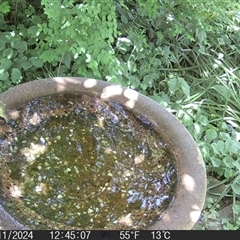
pixel 76 161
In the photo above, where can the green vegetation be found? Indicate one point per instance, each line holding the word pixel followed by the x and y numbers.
pixel 184 54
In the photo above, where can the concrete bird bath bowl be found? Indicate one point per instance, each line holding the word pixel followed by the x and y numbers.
pixel 184 209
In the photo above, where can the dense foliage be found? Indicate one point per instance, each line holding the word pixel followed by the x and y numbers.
pixel 183 54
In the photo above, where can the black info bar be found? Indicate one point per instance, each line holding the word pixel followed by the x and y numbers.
pixel 116 235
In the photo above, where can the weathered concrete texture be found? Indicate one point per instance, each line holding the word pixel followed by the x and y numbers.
pixel 188 203
pixel 9 223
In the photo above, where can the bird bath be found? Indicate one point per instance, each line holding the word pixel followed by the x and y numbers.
pixel 83 153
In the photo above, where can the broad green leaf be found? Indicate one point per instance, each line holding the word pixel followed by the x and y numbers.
pixel 25 63
pixel 236 187
pixel 4 75
pixel 131 66
pixel 67 59
pixel 197 127
pixel 173 85
pixel 228 173
pixel 185 86
pixel 33 31
pixel 216 162
pixel 232 146
pixel 5 64
pixel 2 44
pixel 36 62
pixel 4 7
pixel 36 19
pixel 201 34
pixel 16 75
pixel 8 53
pixel 124 19
pixel 203 120
pixel 210 134
pixel 237 164
pixel 215 147
pixel 21 46
pixel 228 161
pixel 236 209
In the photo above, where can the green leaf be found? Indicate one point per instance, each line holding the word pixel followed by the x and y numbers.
pixel 5 64
pixel 131 66
pixel 201 35
pixel 203 120
pixel 228 173
pixel 33 31
pixel 16 75
pixel 124 19
pixel 232 146
pixel 36 19
pixel 222 90
pixel 216 148
pixel 210 135
pixel 236 186
pixel 21 46
pixel 216 162
pixel 236 164
pixel 184 86
pixel 2 44
pixel 25 63
pixel 4 75
pixel 173 85
pixel 8 53
pixel 36 62
pixel 4 7
pixel 228 161
pixel 236 209
pixel 67 59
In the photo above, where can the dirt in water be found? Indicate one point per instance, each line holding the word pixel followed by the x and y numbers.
pixel 77 161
